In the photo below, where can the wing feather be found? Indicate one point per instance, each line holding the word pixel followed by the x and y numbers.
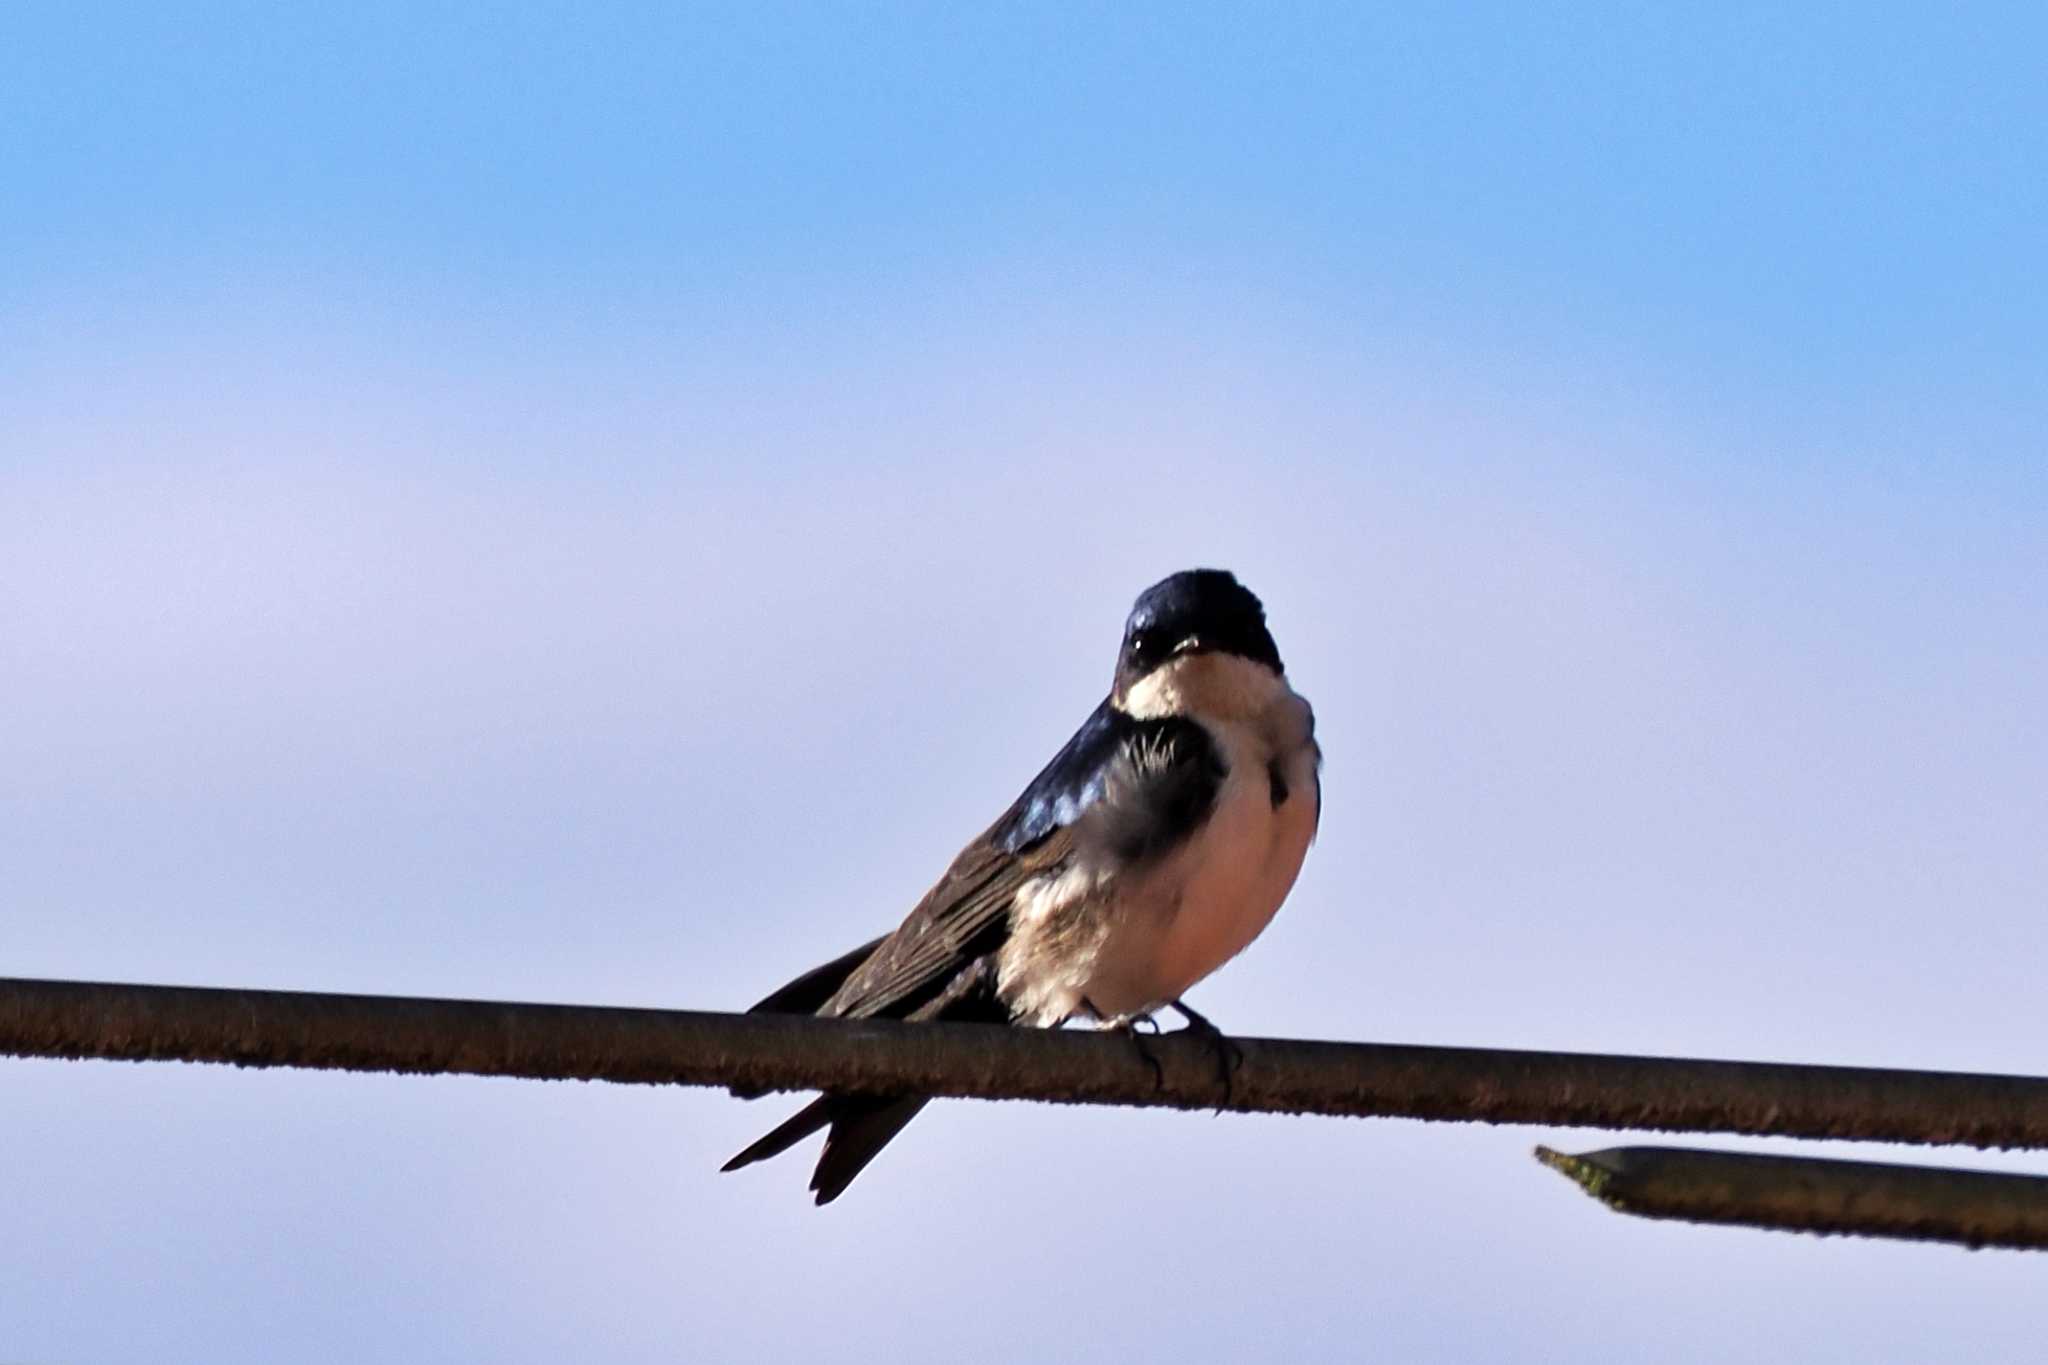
pixel 962 918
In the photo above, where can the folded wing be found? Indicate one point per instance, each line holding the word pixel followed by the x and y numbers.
pixel 939 963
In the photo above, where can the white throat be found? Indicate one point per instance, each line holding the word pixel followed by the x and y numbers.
pixel 1222 687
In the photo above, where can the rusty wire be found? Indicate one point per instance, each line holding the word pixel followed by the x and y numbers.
pixel 768 1052
pixel 1812 1194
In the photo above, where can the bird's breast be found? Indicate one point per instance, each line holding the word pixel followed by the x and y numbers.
pixel 1204 903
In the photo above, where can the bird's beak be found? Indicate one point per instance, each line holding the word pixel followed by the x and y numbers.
pixel 1192 645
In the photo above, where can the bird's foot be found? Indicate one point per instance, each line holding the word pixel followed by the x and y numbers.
pixel 1129 1026
pixel 1229 1056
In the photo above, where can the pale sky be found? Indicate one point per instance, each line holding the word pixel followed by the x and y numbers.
pixel 586 504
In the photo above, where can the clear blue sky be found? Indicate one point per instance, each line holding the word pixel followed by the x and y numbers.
pixel 596 504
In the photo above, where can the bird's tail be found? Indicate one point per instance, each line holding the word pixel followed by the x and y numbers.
pixel 861 1126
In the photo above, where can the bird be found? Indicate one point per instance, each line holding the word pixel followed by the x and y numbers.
pixel 1154 847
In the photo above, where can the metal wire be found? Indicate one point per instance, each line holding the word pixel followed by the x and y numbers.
pixel 770 1052
pixel 1810 1194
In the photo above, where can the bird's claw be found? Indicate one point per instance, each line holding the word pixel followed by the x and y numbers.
pixel 1128 1025
pixel 1229 1056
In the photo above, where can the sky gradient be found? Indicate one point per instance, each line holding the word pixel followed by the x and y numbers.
pixel 597 504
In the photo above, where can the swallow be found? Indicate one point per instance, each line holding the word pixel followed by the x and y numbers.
pixel 1152 849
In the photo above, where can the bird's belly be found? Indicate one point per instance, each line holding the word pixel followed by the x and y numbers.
pixel 1210 899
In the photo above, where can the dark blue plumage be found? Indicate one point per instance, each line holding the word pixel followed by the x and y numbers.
pixel 1210 603
pixel 1177 749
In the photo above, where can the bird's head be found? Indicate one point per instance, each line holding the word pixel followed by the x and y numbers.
pixel 1196 643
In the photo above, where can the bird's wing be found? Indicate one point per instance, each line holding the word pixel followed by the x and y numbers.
pixel 1148 781
pixel 955 921
pixel 959 921
pixel 805 994
pixel 1145 784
